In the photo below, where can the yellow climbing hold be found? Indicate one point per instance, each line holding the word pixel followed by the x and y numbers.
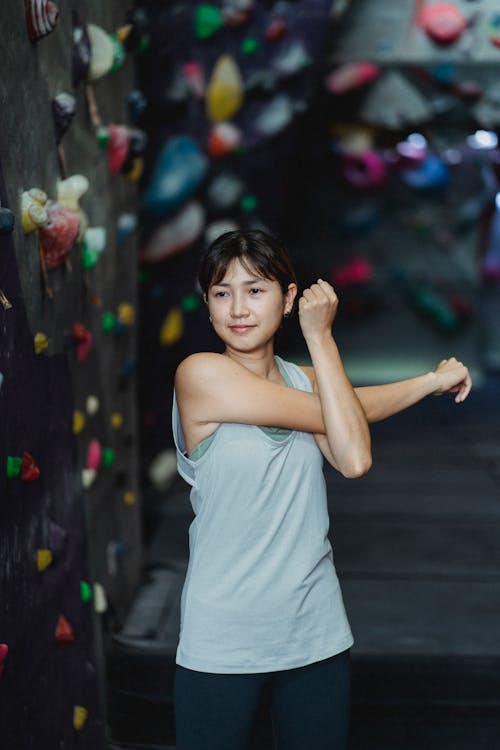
pixel 126 314
pixel 224 95
pixel 129 498
pixel 41 342
pixel 79 717
pixel 43 559
pixel 116 420
pixel 172 328
pixel 78 421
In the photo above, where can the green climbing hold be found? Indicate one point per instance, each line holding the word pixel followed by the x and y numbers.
pixel 108 322
pixel 85 591
pixel 249 46
pixel 108 457
pixel 190 303
pixel 14 465
pixel 119 53
pixel 102 136
pixel 208 21
pixel 248 203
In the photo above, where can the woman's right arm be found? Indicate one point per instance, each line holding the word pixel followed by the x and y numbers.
pixel 212 388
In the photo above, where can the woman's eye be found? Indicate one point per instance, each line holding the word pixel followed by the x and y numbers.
pixel 256 291
pixel 220 294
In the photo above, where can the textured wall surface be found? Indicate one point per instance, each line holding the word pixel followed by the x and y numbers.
pixel 88 533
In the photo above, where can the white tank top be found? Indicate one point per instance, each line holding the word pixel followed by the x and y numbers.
pixel 261 593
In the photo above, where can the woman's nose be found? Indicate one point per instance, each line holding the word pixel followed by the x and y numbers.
pixel 238 306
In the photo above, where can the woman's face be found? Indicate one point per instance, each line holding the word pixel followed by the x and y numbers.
pixel 247 309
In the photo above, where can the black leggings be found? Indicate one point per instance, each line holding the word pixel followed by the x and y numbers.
pixel 309 707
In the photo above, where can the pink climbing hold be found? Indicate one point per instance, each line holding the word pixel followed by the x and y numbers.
pixel 94 455
pixel 350 77
pixel 118 147
pixel 357 270
pixel 83 338
pixel 4 650
pixel 364 170
pixel 443 22
pixel 59 234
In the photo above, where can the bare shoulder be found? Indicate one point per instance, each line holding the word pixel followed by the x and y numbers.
pixel 199 370
pixel 309 371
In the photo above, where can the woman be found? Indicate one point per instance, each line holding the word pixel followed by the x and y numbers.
pixel 261 606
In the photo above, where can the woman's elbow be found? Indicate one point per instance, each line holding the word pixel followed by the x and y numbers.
pixel 359 468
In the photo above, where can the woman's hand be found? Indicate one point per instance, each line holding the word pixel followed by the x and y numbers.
pixel 317 310
pixel 453 377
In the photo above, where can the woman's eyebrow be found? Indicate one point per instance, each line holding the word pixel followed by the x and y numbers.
pixel 257 280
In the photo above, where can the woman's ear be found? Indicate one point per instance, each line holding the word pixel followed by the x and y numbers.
pixel 290 295
pixel 205 298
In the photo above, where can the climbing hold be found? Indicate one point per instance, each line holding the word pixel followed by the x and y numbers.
pixel 276 30
pixel 100 599
pixel 248 203
pixel 41 342
pixel 179 169
pixel 172 327
pixel 4 650
pixel 63 111
pixel 350 77
pixel 291 59
pixel 56 538
pixel 33 212
pixel 118 147
pixel 7 221
pixel 225 90
pixel 116 420
pixel 223 139
pixel 83 338
pixel 14 465
pixel 494 30
pixel 85 591
pixel 70 190
pixel 363 170
pixel 108 457
pixel 64 632
pixel 225 191
pixel 163 469
pixel 92 405
pixel 80 715
pixel 431 174
pixel 443 22
pixel 208 21
pixel 136 38
pixel 78 422
pixel 59 234
pixel 41 17
pixel 102 52
pixel 93 246
pixel 125 226
pixel 88 477
pixel 357 270
pixel 195 78
pixel 191 302
pixel 43 559
pixel 126 314
pixel 136 104
pixel 108 322
pixel 129 498
pixel 175 235
pixel 249 46
pixel 29 470
pixel 275 116
pixel 94 455
pixel 237 12
pixel 80 57
pixel 218 227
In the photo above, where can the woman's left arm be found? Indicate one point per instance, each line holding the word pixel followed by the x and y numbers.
pixel 382 401
pixel 346 443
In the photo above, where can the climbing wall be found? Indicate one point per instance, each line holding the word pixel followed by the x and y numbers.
pixel 69 515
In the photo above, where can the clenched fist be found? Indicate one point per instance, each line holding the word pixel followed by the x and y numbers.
pixel 317 310
pixel 453 377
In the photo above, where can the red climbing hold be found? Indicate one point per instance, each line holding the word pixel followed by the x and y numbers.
pixel 64 631
pixel 29 469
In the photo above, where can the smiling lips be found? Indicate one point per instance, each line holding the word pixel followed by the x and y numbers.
pixel 241 328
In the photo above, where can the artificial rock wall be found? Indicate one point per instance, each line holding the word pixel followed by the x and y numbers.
pixel 69 513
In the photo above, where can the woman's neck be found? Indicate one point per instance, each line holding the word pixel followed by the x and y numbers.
pixel 261 362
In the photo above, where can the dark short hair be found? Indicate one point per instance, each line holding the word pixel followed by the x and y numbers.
pixel 257 251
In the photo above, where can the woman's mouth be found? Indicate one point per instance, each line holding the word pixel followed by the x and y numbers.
pixel 241 328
